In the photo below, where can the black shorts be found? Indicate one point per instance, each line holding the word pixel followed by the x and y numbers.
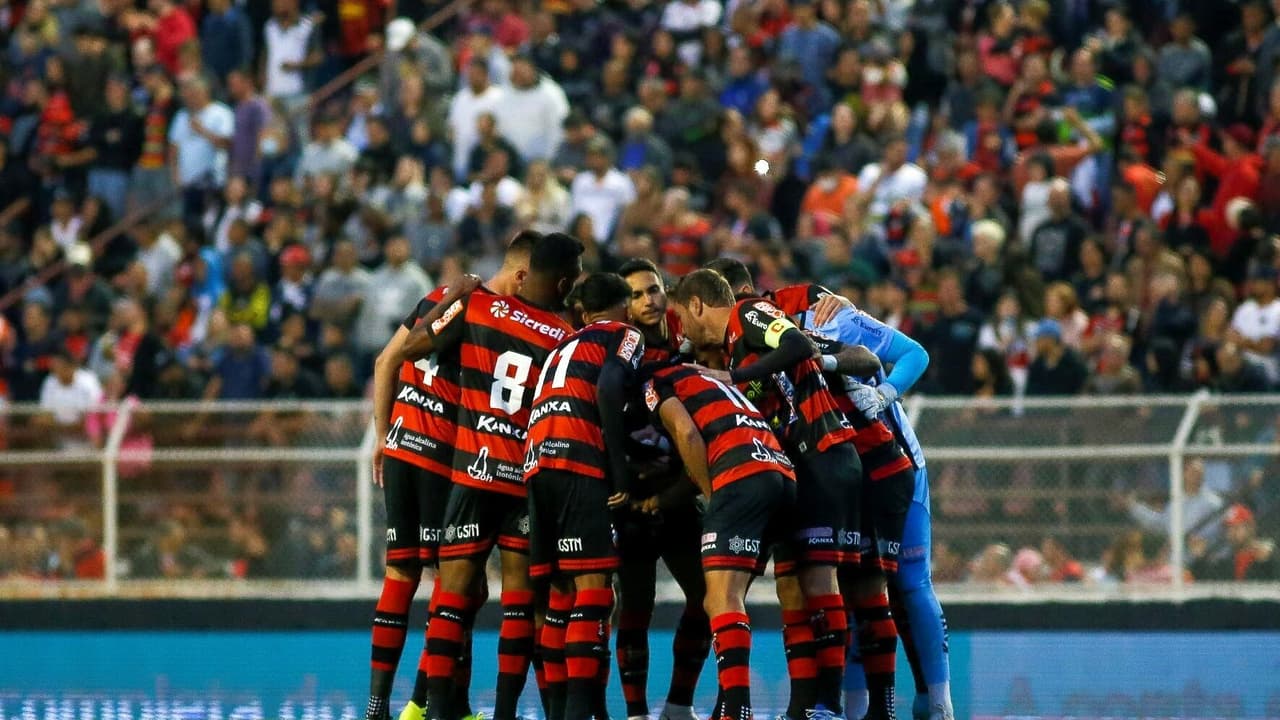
pixel 887 492
pixel 826 523
pixel 476 519
pixel 416 500
pixel 646 539
pixel 743 520
pixel 572 525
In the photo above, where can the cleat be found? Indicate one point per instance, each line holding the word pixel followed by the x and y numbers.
pixel 412 711
pixel 677 712
pixel 820 713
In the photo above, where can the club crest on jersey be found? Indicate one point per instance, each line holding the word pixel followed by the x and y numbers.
pixel 765 455
pixel 523 524
pixel 630 342
pixel 479 470
pixel 768 309
pixel 500 309
pixel 443 321
pixel 650 396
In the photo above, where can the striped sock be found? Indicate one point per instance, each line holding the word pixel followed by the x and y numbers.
pixel 446 635
pixel 585 647
pixel 732 633
pixel 878 646
pixel 802 663
pixel 390 625
pixel 830 633
pixel 552 642
pixel 515 649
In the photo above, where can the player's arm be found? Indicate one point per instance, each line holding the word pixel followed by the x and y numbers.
pixel 844 358
pixel 787 345
pixel 616 375
pixel 688 441
pixel 385 370
pixel 442 327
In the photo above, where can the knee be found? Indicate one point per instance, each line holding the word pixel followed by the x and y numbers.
pixel 790 595
pixel 404 573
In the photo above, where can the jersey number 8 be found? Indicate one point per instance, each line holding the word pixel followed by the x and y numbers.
pixel 510 373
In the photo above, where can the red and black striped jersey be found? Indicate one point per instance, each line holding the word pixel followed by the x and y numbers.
pixel 423 416
pixel 740 443
pixel 502 342
pixel 873 437
pixel 755 328
pixel 664 352
pixel 564 428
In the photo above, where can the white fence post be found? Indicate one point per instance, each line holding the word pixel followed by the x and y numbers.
pixel 364 504
pixel 111 495
pixel 1177 498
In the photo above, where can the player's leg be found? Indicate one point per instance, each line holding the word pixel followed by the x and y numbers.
pixel 692 642
pixel 586 552
pixel 637 578
pixel 399 583
pixel 731 630
pixel 515 637
pixel 471 526
pixel 876 639
pixel 740 522
pixel 828 502
pixel 433 498
pixel 920 705
pixel 797 639
pixel 551 644
pixel 914 584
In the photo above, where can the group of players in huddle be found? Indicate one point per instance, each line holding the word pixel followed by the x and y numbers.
pixel 590 428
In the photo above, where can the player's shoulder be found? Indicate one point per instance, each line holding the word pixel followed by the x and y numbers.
pixel 795 299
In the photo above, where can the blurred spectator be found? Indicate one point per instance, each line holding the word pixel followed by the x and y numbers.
pixel 1057 369
pixel 200 134
pixel 1114 374
pixel 1255 326
pixel 1200 506
pixel 953 336
pixel 1245 556
pixel 395 285
pixel 226 39
pixel 68 393
pixel 602 191
pixel 242 370
pixel 477 97
pixel 532 111
pixel 341 288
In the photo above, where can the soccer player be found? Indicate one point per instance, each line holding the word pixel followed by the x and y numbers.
pixel 735 459
pixel 576 472
pixel 911 586
pixel 887 498
pixel 761 343
pixel 667 527
pixel 415 405
pixel 502 342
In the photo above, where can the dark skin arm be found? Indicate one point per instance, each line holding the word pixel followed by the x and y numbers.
pixel 611 398
pixel 420 341
pixel 688 441
pixel 794 347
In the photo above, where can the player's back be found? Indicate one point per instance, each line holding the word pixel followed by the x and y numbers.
pixel 755 327
pixel 564 425
pixel 504 342
pixel 740 442
pixel 424 414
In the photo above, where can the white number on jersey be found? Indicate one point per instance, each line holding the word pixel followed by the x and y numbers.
pixel 510 373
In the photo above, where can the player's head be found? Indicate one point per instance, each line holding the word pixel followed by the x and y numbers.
pixel 736 273
pixel 555 262
pixel 515 263
pixel 702 300
pixel 648 300
pixel 601 296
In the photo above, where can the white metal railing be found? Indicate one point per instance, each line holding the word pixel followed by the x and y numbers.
pixel 1040 436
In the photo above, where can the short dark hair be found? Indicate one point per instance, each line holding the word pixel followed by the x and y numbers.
pixel 707 285
pixel 635 265
pixel 523 242
pixel 601 291
pixel 556 255
pixel 734 271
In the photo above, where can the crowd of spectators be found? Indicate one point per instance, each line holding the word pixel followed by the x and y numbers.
pixel 1056 197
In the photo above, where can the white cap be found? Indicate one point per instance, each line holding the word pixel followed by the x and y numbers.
pixel 399 32
pixel 80 254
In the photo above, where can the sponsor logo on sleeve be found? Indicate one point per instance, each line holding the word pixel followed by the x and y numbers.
pixel 768 309
pixel 443 321
pixel 630 342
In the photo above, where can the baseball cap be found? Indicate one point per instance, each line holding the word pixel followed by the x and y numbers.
pixel 1049 328
pixel 1237 515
